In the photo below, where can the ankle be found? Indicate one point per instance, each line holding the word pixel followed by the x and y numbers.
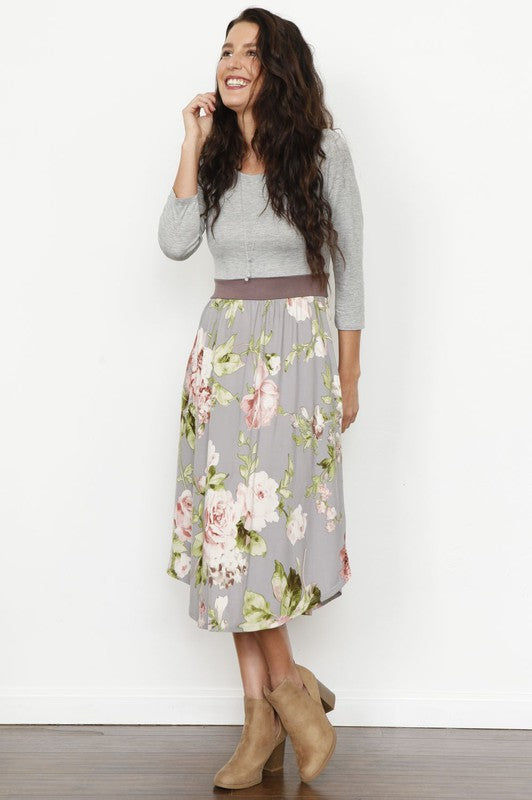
pixel 292 674
pixel 254 696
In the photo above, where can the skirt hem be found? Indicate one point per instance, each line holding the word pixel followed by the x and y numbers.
pixel 332 594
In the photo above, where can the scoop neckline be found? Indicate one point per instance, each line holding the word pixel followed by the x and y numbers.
pixel 250 174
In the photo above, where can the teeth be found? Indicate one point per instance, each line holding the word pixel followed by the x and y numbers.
pixel 235 82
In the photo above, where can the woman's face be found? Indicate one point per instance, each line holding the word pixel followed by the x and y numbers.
pixel 239 59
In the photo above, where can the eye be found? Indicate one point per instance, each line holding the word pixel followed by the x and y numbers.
pixel 254 52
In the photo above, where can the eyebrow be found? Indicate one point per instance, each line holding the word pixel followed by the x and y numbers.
pixel 230 44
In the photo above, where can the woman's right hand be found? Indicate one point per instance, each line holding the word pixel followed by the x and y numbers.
pixel 197 128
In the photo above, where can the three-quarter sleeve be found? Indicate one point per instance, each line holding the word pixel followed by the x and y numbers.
pixel 341 189
pixel 181 226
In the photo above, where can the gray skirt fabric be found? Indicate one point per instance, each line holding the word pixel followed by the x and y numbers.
pixel 258 529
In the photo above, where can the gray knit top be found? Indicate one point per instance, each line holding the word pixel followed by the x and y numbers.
pixel 251 241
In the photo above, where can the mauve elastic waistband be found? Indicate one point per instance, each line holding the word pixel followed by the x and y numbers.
pixel 268 288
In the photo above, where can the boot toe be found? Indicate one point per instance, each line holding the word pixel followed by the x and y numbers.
pixel 314 766
pixel 230 778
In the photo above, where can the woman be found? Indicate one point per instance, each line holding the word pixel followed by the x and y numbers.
pixel 259 525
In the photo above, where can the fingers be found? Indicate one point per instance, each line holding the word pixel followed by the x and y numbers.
pixel 348 420
pixel 206 100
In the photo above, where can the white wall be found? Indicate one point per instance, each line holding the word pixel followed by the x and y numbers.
pixel 433 628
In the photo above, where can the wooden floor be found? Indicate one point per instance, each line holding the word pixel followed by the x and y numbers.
pixel 159 762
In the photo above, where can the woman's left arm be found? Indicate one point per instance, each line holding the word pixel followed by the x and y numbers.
pixel 349 371
pixel 344 196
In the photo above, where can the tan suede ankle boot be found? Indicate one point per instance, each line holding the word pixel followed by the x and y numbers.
pixel 261 747
pixel 303 714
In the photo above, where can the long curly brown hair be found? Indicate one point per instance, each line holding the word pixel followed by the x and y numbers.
pixel 289 114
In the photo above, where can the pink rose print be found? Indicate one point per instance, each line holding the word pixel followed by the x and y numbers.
pixel 198 372
pixel 323 507
pixel 199 365
pixel 296 524
pixel 273 363
pixel 213 456
pixel 324 490
pixel 334 439
pixel 182 565
pixel 337 391
pixel 320 347
pixel 202 615
pixel 183 516
pixel 298 307
pixel 260 406
pixel 220 516
pixel 258 501
pixel 345 572
pixel 203 402
pixel 318 422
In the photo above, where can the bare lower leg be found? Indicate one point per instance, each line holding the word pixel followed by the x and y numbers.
pixel 265 658
pixel 252 663
pixel 277 649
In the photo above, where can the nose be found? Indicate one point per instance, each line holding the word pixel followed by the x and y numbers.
pixel 234 62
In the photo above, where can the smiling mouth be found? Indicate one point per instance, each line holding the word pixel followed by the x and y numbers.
pixel 236 86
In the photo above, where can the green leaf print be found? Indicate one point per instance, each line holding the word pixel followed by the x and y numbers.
pixel 256 611
pixel 316 347
pixel 200 573
pixel 313 596
pixel 215 480
pixel 298 598
pixel 197 545
pixel 223 396
pixel 224 361
pixel 329 464
pixel 185 475
pixel 279 581
pixel 188 425
pixel 250 462
pixel 258 346
pixel 289 359
pixel 312 489
pixel 231 307
pixel 250 541
pixel 214 623
pixel 294 597
pixel 292 594
pixel 178 549
pixel 283 489
pixel 306 437
pixel 327 378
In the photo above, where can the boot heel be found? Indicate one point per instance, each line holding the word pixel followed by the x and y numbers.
pixel 327 697
pixel 275 761
pixel 316 688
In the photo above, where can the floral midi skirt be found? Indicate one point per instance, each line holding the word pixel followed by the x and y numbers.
pixel 258 530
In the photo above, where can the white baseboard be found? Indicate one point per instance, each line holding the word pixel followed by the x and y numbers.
pixel 211 707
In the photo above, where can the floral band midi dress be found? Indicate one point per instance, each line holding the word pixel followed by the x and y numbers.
pixel 258 529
